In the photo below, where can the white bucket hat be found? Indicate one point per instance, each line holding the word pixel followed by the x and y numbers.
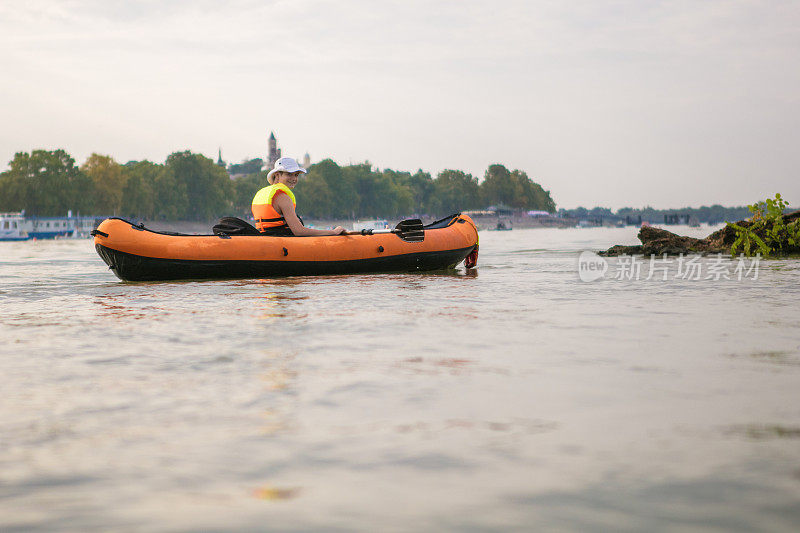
pixel 285 164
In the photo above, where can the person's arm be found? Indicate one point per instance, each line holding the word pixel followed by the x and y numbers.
pixel 283 205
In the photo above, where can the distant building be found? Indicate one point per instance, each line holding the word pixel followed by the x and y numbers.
pixel 274 153
pixel 220 162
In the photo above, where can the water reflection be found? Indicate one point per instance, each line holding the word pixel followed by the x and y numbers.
pixel 777 357
pixel 116 306
pixel 764 431
pixel 280 373
pixel 274 303
pixel 456 273
pixel 421 366
pixel 459 313
pixel 278 378
pixel 452 366
pixel 512 426
pixel 773 357
pixel 268 492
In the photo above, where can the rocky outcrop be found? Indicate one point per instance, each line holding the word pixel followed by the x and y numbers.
pixel 660 241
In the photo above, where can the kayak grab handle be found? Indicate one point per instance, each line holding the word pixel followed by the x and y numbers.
pixel 96 232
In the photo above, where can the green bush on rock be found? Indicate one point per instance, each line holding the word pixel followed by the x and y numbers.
pixel 768 232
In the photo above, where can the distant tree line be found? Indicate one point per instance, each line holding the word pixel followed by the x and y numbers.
pixel 250 166
pixel 189 186
pixel 359 191
pixel 709 214
pixel 48 183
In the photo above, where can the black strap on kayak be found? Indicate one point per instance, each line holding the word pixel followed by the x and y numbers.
pixel 277 231
pixel 279 219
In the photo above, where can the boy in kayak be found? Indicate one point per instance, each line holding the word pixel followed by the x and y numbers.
pixel 274 206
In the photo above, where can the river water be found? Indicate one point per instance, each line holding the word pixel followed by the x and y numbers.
pixel 514 397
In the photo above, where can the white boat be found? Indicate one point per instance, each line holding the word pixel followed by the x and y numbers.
pixel 13 227
pixel 51 228
pixel 18 227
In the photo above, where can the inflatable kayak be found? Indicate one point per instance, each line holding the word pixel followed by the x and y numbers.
pixel 136 253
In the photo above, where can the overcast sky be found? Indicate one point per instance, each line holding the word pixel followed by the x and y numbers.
pixel 615 103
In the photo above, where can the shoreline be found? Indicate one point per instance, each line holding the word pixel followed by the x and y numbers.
pixel 483 223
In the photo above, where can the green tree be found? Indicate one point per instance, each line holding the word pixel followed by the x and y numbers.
pixel 207 187
pixel 400 193
pixel 108 182
pixel 515 189
pixel 456 191
pixel 45 183
pixel 531 195
pixel 14 190
pixel 363 180
pixel 315 196
pixel 247 167
pixel 319 191
pixel 139 191
pixel 244 189
pixel 344 197
pixel 170 196
pixel 423 198
pixel 497 186
pixel 378 193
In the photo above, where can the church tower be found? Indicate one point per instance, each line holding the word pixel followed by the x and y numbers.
pixel 274 152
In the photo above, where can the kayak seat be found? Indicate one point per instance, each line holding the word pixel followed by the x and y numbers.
pixel 234 226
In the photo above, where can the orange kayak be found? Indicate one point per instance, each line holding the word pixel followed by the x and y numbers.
pixel 136 253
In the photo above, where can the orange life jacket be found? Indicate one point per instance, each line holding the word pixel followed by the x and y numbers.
pixel 267 218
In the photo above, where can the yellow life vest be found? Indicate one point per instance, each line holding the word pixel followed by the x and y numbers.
pixel 265 214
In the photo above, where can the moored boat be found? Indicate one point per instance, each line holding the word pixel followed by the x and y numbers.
pixel 19 227
pixel 503 225
pixel 135 253
pixel 51 228
pixel 13 227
